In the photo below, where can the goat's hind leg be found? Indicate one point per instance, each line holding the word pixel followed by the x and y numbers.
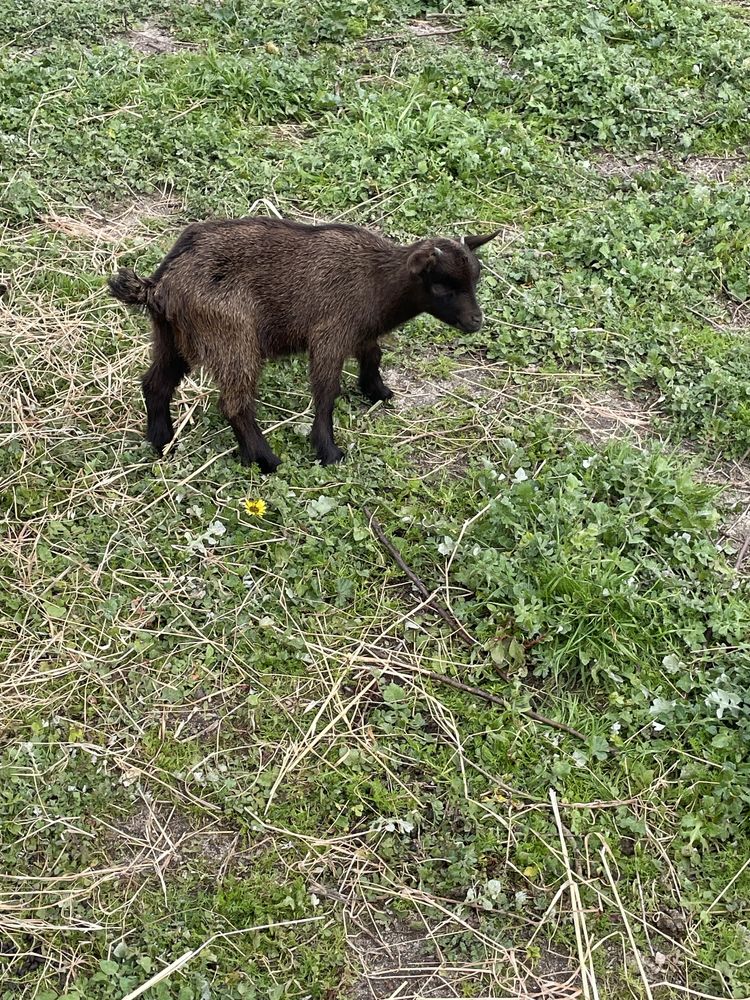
pixel 167 370
pixel 237 403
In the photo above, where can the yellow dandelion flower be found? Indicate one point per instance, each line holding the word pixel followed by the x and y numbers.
pixel 255 508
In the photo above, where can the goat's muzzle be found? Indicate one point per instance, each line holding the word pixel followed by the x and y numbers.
pixel 471 324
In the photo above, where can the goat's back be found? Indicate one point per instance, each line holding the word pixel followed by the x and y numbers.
pixel 277 280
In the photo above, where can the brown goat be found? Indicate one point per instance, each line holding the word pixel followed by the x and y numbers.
pixel 232 293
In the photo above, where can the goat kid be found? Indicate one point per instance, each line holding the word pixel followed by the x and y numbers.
pixel 232 293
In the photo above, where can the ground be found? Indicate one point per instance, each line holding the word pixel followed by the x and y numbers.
pixel 467 715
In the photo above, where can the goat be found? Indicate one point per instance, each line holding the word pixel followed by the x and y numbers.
pixel 232 293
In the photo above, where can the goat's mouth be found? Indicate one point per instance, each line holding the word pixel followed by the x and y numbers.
pixel 470 325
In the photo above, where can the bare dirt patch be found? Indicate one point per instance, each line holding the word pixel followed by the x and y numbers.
pixel 471 399
pixel 738 316
pixel 714 168
pixel 151 40
pixel 291 133
pixel 727 315
pixel 611 415
pixel 171 838
pixel 415 392
pixel 737 528
pixel 435 28
pixel 406 964
pixel 118 224
pixel 734 501
pixel 403 965
pixel 208 710
pixel 717 169
pixel 555 977
pixel 611 165
pixel 430 29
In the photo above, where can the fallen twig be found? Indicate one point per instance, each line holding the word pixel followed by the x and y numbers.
pixel 461 632
pixel 742 552
pixel 432 600
pixel 493 699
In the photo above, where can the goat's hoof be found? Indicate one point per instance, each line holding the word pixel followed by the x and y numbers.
pixel 378 393
pixel 269 465
pixel 331 455
pixel 266 463
pixel 159 436
pixel 159 442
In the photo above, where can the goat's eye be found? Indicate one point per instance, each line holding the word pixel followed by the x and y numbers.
pixel 441 291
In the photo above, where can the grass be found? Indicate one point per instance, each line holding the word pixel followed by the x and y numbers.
pixel 244 754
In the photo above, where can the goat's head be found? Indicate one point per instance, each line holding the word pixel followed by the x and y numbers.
pixel 449 271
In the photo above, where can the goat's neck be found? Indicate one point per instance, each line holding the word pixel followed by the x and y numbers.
pixel 402 299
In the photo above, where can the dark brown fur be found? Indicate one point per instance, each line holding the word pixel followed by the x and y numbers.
pixel 232 293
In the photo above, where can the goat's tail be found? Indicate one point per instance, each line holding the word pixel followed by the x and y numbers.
pixel 129 288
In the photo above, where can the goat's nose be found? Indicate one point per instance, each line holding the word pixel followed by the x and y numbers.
pixel 476 320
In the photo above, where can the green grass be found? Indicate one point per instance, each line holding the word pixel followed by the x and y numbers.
pixel 231 734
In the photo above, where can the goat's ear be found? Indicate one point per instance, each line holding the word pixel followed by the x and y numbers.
pixel 474 242
pixel 422 259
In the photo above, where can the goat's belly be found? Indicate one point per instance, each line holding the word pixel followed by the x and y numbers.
pixel 279 342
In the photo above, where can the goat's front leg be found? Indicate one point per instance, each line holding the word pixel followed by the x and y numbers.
pixel 325 381
pixel 370 380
